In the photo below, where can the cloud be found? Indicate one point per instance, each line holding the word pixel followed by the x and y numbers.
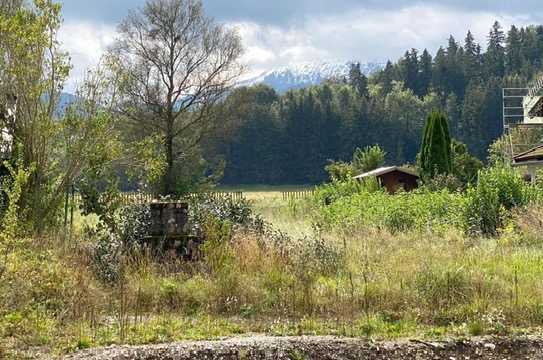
pixel 85 42
pixel 281 32
pixel 284 12
pixel 365 35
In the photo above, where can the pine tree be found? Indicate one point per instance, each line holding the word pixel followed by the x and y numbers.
pixel 387 76
pixel 409 70
pixel 472 58
pixel 358 80
pixel 425 73
pixel 455 75
pixel 435 153
pixel 513 56
pixel 495 55
pixel 439 76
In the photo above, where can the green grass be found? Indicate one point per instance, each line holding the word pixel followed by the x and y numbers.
pixel 264 188
pixel 358 281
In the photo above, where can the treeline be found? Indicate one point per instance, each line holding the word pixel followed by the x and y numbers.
pixel 290 138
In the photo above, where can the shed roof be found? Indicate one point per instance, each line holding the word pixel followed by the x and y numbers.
pixel 534 154
pixel 386 170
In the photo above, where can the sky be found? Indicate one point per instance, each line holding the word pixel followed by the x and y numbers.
pixel 279 33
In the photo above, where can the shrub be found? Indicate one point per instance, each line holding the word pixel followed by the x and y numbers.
pixel 445 181
pixel 353 205
pixel 498 190
pixel 371 158
pixel 237 212
pixel 134 223
pixel 339 171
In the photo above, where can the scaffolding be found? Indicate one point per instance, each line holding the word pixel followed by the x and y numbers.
pixel 523 110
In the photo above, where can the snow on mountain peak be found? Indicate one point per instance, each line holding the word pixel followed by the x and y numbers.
pixel 306 74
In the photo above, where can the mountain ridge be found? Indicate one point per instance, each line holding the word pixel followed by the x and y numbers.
pixel 307 74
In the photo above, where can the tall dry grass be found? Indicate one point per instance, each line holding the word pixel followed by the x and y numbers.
pixel 352 281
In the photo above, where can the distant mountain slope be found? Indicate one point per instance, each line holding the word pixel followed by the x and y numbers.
pixel 307 74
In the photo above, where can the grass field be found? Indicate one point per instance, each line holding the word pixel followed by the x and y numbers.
pixel 362 280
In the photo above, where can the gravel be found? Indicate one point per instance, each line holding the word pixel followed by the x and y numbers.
pixel 319 347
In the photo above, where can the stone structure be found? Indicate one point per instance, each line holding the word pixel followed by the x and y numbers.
pixel 168 232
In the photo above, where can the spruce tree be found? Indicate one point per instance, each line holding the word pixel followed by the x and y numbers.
pixel 495 55
pixel 513 56
pixel 425 73
pixel 472 58
pixel 435 154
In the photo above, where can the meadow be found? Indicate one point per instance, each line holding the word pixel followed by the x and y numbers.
pixel 332 262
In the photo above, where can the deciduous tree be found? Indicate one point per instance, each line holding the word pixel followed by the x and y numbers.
pixel 176 63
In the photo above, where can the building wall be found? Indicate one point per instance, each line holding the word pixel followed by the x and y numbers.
pixel 395 180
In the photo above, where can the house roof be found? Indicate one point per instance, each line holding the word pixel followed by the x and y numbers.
pixel 386 170
pixel 534 154
pixel 537 109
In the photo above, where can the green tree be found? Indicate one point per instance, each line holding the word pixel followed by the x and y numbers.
pixel 513 55
pixel 465 166
pixel 425 73
pixel 435 153
pixel 472 58
pixel 358 80
pixel 495 54
pixel 177 63
pixel 55 146
pixel 370 158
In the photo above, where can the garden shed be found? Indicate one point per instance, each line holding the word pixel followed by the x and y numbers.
pixel 532 159
pixel 393 178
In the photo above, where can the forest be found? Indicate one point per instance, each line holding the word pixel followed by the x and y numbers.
pixel 288 139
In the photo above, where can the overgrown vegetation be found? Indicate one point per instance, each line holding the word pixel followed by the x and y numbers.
pixel 461 255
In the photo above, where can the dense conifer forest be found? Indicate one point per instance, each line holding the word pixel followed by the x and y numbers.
pixel 289 138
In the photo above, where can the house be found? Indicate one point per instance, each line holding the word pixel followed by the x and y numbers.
pixel 393 177
pixel 532 159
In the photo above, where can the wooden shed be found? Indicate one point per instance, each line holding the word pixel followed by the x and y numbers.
pixel 393 178
pixel 532 159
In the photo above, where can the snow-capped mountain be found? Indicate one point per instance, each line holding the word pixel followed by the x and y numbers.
pixel 307 74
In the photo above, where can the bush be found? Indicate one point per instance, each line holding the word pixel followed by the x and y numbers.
pixel 371 158
pixel 236 212
pixel 498 190
pixel 359 205
pixel 339 171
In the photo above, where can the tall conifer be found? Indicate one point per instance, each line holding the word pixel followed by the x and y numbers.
pixel 435 155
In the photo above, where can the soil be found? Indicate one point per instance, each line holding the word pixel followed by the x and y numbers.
pixel 306 348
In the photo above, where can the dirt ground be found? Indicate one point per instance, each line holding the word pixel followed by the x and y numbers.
pixel 305 348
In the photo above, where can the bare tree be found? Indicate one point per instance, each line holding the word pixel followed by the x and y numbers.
pixel 176 64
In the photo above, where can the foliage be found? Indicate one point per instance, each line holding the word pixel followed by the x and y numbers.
pixel 465 166
pixel 368 159
pixel 339 171
pixel 175 64
pixel 435 154
pixel 498 190
pixel 342 206
pixel 205 207
pixel 289 137
pixel 12 227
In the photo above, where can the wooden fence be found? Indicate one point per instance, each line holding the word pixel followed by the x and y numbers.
pixel 142 198
pixel 296 195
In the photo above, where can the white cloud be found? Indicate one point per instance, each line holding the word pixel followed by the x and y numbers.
pixel 86 43
pixel 365 34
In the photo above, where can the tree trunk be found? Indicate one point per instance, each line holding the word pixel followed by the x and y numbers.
pixel 169 175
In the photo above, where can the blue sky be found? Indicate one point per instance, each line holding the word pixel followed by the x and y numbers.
pixel 280 32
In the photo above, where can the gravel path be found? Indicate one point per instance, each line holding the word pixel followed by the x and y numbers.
pixel 305 348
